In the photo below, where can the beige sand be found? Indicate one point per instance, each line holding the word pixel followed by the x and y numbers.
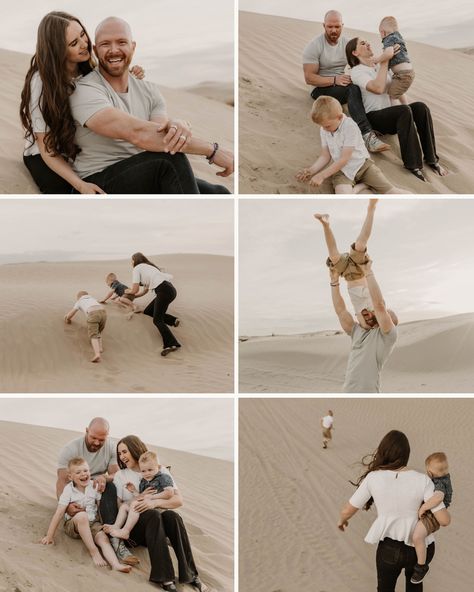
pixel 432 356
pixel 210 119
pixel 291 490
pixel 40 353
pixel 27 494
pixel 276 136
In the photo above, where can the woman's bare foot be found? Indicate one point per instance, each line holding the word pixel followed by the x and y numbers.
pixel 323 218
pixel 98 560
pixel 123 568
pixel 120 533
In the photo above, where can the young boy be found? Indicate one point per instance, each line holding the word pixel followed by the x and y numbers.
pixel 341 140
pixel 327 425
pixel 402 69
pixel 96 319
pixel 117 293
pixel 437 469
pixel 152 477
pixel 83 525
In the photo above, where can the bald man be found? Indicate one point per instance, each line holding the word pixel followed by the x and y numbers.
pixel 128 143
pixel 324 63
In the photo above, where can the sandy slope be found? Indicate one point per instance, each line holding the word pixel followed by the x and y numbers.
pixel 211 119
pixel 291 490
pixel 40 353
pixel 276 136
pixel 430 356
pixel 28 501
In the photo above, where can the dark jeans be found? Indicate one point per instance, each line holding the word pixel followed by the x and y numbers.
pixel 108 504
pixel 351 95
pixel 414 126
pixel 151 531
pixel 165 294
pixel 392 557
pixel 50 182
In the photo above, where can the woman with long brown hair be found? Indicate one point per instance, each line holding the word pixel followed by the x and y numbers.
pixel 398 493
pixel 150 277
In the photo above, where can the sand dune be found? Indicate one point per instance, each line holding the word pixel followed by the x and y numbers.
pixel 432 356
pixel 276 136
pixel 210 119
pixel 291 490
pixel 28 502
pixel 41 354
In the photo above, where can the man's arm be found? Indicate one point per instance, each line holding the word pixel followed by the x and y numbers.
pixel 312 77
pixel 384 320
pixel 61 481
pixel 345 318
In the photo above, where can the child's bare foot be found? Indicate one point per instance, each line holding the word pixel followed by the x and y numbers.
pixel 98 560
pixel 121 567
pixel 96 359
pixel 120 533
pixel 323 218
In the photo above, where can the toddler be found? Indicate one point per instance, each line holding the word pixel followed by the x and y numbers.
pixel 118 293
pixel 400 65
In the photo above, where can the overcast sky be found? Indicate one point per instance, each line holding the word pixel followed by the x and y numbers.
pixel 422 252
pixel 436 22
pixel 202 426
pixel 92 229
pixel 179 42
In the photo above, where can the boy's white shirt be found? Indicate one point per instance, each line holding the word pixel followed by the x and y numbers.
pixel 360 298
pixel 85 302
pixel 88 500
pixel 347 135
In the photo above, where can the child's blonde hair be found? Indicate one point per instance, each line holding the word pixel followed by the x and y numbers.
pixel 76 462
pixel 81 293
pixel 389 24
pixel 149 456
pixel 436 457
pixel 110 277
pixel 324 108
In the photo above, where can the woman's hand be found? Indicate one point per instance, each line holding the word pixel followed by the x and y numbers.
pixel 178 133
pixel 225 159
pixel 388 53
pixel 89 188
pixel 137 72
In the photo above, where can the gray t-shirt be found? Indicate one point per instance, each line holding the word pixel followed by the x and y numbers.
pixel 93 93
pixel 401 57
pixel 330 58
pixel 369 351
pixel 98 461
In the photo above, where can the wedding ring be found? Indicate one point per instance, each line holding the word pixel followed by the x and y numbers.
pixel 183 138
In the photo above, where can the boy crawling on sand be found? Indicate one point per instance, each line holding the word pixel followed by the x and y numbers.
pixel 96 319
pixel 84 525
pixel 154 482
pixel 351 170
pixel 118 293
pixel 437 469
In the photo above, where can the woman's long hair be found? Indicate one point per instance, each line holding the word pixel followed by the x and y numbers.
pixel 351 46
pixel 50 63
pixel 391 454
pixel 138 258
pixel 135 446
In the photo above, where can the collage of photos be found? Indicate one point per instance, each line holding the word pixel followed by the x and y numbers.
pixel 266 389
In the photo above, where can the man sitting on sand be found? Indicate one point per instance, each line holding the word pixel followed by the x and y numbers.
pixel 374 334
pixel 122 128
pixel 324 61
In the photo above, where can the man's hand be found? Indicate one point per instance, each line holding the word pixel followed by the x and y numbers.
pixel 99 483
pixel 225 159
pixel 343 80
pixel 334 275
pixel 74 509
pixel 304 175
pixel 137 72
pixel 178 132
pixel 89 189
pixel 317 180
pixel 342 525
pixel 144 505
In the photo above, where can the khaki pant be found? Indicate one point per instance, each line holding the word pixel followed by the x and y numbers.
pixel 401 82
pixel 96 320
pixel 369 173
pixel 70 528
pixel 349 264
pixel 430 522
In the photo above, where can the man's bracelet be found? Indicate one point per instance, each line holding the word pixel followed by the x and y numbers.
pixel 334 285
pixel 210 158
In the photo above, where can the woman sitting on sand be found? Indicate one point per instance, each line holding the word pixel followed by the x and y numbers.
pixel 412 123
pixel 157 521
pixel 398 493
pixel 63 55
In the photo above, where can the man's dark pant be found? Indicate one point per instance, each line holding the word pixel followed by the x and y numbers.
pixel 108 504
pixel 392 557
pixel 351 95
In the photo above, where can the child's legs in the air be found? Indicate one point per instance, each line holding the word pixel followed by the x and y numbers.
pixel 364 235
pixel 419 542
pixel 333 251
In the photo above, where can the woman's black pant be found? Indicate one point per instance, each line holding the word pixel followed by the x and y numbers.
pixel 392 557
pixel 414 126
pixel 165 294
pixel 151 531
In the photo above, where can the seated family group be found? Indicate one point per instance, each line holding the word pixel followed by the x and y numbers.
pixel 374 88
pixel 110 493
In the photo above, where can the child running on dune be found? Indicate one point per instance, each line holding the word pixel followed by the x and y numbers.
pixel 84 525
pixel 118 293
pixel 437 469
pixel 96 319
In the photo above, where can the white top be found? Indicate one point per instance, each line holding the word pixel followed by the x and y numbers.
pixel 124 476
pixel 85 302
pixel 361 75
pixel 397 496
pixel 347 135
pixel 88 500
pixel 37 122
pixel 149 276
pixel 327 420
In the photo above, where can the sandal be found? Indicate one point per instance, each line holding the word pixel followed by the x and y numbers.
pixel 418 174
